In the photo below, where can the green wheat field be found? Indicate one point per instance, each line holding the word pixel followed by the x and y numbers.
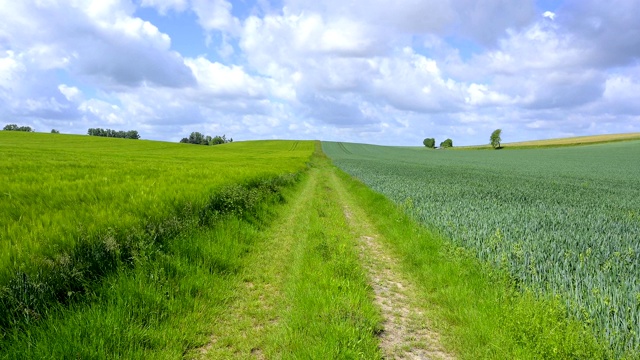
pixel 118 248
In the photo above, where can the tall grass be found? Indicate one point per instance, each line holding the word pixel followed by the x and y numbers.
pixel 78 208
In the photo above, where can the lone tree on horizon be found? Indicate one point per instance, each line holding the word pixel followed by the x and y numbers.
pixel 495 138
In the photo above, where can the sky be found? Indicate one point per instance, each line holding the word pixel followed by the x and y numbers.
pixel 369 71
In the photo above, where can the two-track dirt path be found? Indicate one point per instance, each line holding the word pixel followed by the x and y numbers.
pixel 256 311
pixel 406 333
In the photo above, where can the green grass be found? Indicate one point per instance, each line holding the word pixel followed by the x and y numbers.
pixel 161 309
pixel 189 296
pixel 563 222
pixel 76 208
pixel 331 314
pixel 305 294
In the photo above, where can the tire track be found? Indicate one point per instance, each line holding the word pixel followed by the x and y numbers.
pixel 407 333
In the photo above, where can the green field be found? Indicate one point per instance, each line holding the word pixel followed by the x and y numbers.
pixel 117 248
pixel 563 222
pixel 76 208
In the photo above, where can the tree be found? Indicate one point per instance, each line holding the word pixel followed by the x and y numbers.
pixel 54 131
pixel 200 139
pixel 14 127
pixel 495 138
pixel 430 143
pixel 131 134
pixel 446 144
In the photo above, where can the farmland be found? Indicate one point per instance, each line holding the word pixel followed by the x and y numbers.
pixel 116 248
pixel 570 141
pixel 564 222
pixel 76 208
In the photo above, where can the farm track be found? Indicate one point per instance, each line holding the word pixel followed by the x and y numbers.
pixel 406 332
pixel 258 311
pixel 242 331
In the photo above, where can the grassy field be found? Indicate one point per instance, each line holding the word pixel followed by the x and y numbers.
pixel 282 280
pixel 120 248
pixel 564 222
pixel 570 141
pixel 77 208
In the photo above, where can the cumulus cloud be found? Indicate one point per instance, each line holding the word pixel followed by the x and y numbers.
pixel 164 6
pixel 372 71
pixel 96 39
pixel 216 15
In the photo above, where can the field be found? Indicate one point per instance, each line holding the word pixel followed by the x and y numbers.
pixel 76 208
pixel 117 248
pixel 564 222
pixel 570 141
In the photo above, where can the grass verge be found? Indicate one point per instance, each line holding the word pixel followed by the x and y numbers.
pixel 304 294
pixel 162 305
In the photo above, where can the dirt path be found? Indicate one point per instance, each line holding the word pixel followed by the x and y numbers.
pixel 256 311
pixel 406 332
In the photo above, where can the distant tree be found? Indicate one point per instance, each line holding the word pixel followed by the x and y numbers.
pixel 446 144
pixel 200 139
pixel 429 142
pixel 54 131
pixel 14 127
pixel 131 134
pixel 495 138
pixel 217 140
pixel 197 138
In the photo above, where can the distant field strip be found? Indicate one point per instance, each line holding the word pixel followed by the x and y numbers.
pixel 563 221
pixel 570 141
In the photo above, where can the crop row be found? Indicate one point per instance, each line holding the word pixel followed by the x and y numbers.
pixel 563 222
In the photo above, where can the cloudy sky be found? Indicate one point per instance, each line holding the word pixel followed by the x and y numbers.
pixel 373 71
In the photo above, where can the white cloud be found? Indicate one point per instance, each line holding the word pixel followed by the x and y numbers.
pixel 216 15
pixel 164 6
pixel 72 93
pixel 10 67
pixel 372 71
pixel 479 94
pixel 225 81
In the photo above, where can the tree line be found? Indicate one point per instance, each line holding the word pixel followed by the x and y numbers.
pixel 14 127
pixel 200 139
pixel 131 134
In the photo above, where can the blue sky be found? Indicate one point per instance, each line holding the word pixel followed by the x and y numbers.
pixel 370 71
